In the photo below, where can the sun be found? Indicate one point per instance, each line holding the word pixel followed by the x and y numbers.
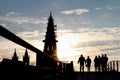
pixel 64 48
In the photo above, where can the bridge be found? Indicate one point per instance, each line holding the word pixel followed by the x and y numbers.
pixel 61 66
pixel 63 70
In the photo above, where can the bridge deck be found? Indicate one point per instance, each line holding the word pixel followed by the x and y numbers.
pixel 97 76
pixel 20 73
pixel 87 76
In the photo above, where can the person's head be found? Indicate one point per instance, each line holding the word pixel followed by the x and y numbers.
pixel 99 56
pixel 102 55
pixel 105 55
pixel 88 57
pixel 81 55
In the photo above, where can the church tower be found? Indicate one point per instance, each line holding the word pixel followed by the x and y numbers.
pixel 26 58
pixel 50 41
pixel 15 57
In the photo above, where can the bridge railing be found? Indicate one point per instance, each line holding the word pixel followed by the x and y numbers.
pixel 113 65
pixel 63 67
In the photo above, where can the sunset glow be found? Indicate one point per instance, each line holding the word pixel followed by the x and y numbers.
pixel 84 27
pixel 65 49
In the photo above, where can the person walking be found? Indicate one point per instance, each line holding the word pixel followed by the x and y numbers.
pixel 99 62
pixel 96 63
pixel 88 63
pixel 105 59
pixel 81 61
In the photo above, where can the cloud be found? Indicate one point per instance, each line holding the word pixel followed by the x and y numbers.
pixel 100 43
pixel 106 30
pixel 65 31
pixel 111 48
pixel 75 11
pixel 21 20
pixel 12 13
pixel 8 49
pixel 95 41
pixel 15 17
pixel 86 22
pixel 3 24
pixel 92 36
pixel 112 7
pixel 97 8
pixel 28 34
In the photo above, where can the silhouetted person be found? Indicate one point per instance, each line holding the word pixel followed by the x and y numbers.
pixel 88 63
pixel 96 65
pixel 105 60
pixel 99 63
pixel 102 63
pixel 81 61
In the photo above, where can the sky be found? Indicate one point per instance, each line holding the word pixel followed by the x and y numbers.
pixel 88 27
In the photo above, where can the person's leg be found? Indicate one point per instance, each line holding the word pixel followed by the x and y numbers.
pixel 83 68
pixel 89 69
pixel 80 68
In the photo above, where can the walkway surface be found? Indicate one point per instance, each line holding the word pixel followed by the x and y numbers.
pixel 97 76
pixel 87 76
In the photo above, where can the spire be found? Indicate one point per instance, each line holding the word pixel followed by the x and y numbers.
pixel 50 13
pixel 50 46
pixel 15 54
pixel 15 58
pixel 50 17
pixel 26 58
pixel 26 53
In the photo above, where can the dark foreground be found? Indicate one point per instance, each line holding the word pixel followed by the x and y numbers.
pixel 32 73
pixel 97 76
pixel 89 76
pixel 69 76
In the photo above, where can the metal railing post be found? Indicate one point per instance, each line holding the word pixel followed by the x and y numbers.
pixel 117 64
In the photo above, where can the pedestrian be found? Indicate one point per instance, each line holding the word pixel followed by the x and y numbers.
pixel 105 59
pixel 81 61
pixel 88 63
pixel 96 63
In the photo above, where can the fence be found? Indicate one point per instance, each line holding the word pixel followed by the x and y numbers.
pixel 113 66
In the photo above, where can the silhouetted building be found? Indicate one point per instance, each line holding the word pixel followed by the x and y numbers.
pixel 47 68
pixel 15 61
pixel 15 57
pixel 26 58
pixel 55 70
pixel 50 46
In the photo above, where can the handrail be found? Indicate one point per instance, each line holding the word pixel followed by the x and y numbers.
pixel 12 37
pixel 113 65
pixel 63 67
